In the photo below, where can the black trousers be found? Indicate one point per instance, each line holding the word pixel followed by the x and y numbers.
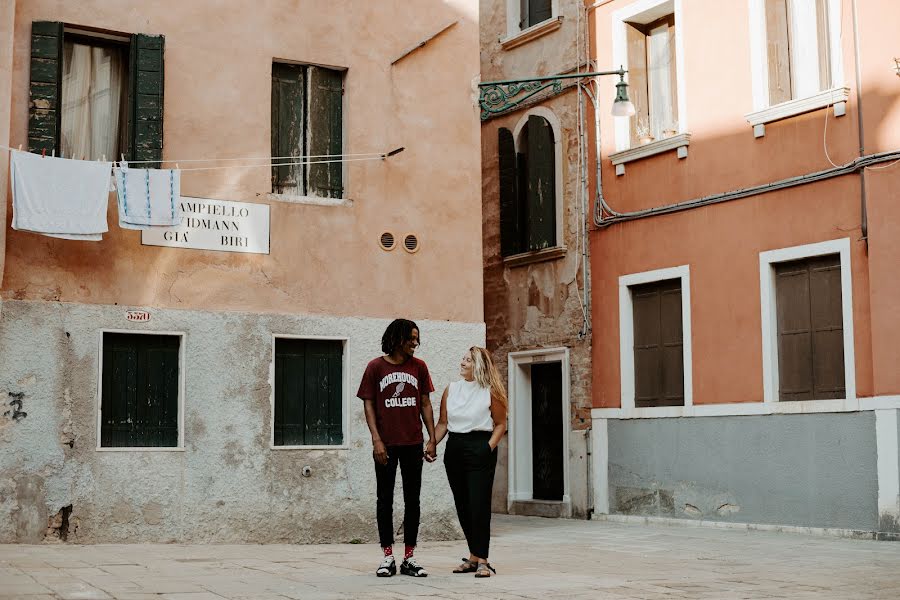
pixel 410 460
pixel 470 465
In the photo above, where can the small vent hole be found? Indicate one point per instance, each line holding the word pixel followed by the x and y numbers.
pixel 411 243
pixel 387 241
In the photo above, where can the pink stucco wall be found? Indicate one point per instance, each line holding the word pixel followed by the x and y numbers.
pixel 324 259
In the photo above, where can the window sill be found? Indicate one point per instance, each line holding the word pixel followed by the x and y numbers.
pixel 342 447
pixel 141 449
pixel 536 256
pixel 532 33
pixel 313 200
pixel 836 97
pixel 679 143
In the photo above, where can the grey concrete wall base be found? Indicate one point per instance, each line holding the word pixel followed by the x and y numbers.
pixel 804 470
pixel 226 485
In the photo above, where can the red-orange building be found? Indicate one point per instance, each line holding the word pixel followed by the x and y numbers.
pixel 744 290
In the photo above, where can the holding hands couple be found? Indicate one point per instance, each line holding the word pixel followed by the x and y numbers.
pixel 396 391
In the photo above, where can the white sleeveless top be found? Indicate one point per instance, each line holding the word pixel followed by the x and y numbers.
pixel 468 407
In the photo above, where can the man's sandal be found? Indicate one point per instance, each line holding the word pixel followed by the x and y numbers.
pixel 467 566
pixel 484 570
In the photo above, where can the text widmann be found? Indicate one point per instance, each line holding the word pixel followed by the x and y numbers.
pixel 208 224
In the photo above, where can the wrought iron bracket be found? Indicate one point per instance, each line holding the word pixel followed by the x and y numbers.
pixel 497 97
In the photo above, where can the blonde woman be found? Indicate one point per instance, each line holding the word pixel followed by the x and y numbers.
pixel 473 410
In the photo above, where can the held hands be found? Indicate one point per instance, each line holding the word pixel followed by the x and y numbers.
pixel 379 452
pixel 431 451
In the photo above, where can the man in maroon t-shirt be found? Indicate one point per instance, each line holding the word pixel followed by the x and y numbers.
pixel 395 389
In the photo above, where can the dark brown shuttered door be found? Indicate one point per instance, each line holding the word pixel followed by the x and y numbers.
pixel 140 390
pixel 325 134
pixel 541 185
pixel 308 391
pixel 658 344
pixel 147 76
pixel 46 86
pixel 288 116
pixel 546 431
pixel 509 204
pixel 810 329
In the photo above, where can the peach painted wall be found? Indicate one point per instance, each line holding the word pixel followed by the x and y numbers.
pixel 721 243
pixel 7 24
pixel 324 259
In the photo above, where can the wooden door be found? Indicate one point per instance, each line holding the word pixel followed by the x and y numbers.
pixel 547 431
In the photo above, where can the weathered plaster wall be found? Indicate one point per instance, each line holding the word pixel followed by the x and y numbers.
pixel 324 259
pixel 537 305
pixel 804 470
pixel 226 485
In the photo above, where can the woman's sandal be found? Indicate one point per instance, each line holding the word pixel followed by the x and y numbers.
pixel 467 566
pixel 484 570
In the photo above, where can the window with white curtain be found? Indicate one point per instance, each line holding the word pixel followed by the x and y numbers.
pixel 94 98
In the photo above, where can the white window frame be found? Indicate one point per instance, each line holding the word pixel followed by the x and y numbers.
pixel 556 127
pixel 626 334
pixel 519 455
pixel 181 361
pixel 345 393
pixel 648 11
pixel 837 95
pixel 770 315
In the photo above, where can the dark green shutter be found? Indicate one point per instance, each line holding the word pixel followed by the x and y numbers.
pixel 46 86
pixel 139 402
pixel 509 205
pixel 308 392
pixel 288 116
pixel 145 93
pixel 541 185
pixel 539 11
pixel 325 131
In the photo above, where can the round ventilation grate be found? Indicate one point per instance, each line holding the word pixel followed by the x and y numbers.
pixel 411 243
pixel 387 241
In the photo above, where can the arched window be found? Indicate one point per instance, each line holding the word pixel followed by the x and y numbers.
pixel 527 187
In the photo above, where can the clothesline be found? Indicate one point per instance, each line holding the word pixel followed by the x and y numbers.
pixel 342 159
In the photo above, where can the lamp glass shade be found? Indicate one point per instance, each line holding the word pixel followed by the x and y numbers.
pixel 623 108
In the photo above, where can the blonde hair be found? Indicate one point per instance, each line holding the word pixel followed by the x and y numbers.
pixel 486 374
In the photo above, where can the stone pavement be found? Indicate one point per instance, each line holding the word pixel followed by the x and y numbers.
pixel 536 558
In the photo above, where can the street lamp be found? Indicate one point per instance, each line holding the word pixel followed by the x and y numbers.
pixel 500 96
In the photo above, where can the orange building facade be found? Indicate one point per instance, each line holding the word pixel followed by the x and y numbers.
pixel 746 235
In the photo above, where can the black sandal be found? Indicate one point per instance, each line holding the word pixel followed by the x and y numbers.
pixel 484 570
pixel 467 566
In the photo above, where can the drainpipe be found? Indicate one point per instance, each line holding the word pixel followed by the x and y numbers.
pixel 864 217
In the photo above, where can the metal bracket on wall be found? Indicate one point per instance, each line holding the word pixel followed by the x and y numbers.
pixel 497 97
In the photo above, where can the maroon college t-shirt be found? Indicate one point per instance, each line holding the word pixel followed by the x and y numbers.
pixel 396 391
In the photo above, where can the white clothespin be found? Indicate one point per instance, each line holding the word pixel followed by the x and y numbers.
pixel 104 158
pixel 20 147
pixel 53 153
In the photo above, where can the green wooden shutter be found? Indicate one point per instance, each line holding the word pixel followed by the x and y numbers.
pixel 541 185
pixel 322 397
pixel 308 392
pixel 509 205
pixel 325 131
pixel 139 401
pixel 290 358
pixel 46 86
pixel 539 11
pixel 288 117
pixel 145 93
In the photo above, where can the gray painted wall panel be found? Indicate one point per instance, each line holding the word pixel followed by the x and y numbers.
pixel 816 470
pixel 227 485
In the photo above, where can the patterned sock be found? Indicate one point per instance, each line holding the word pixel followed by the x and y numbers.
pixel 388 550
pixel 408 552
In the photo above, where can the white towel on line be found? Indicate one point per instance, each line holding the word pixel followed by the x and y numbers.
pixel 59 197
pixel 148 197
